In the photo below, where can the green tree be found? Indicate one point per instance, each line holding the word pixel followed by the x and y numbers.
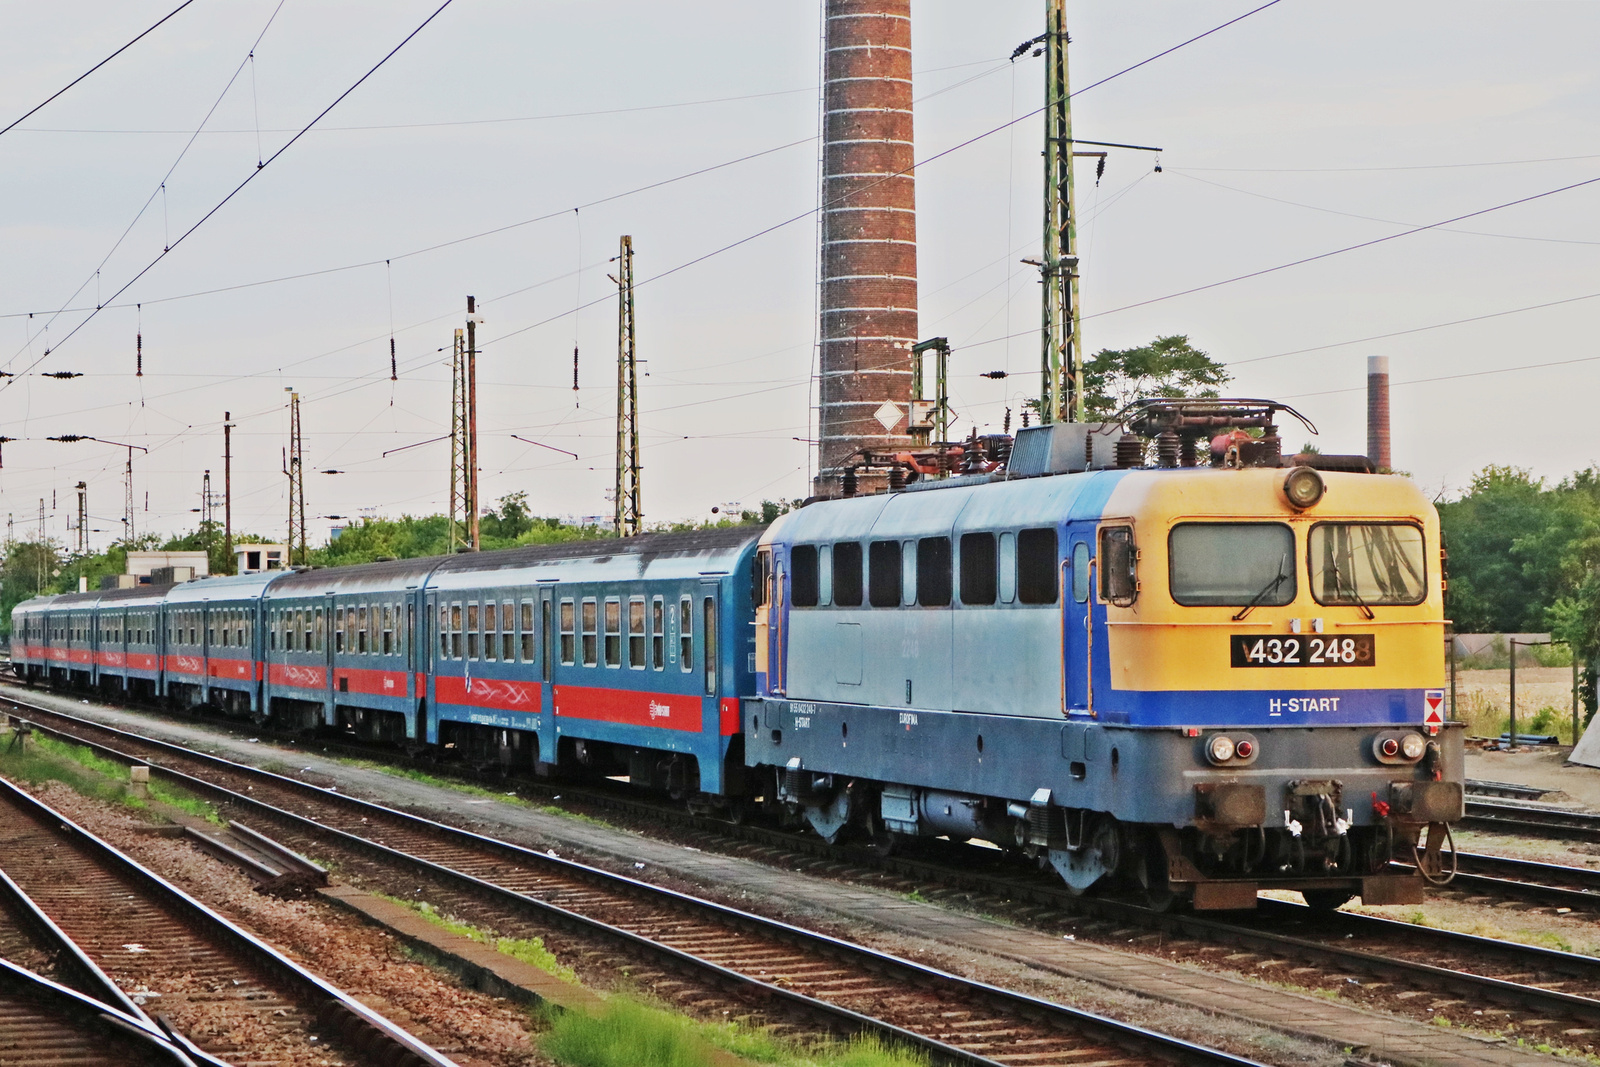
pixel 1166 367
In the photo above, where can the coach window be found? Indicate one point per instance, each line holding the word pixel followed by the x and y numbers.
pixel 407 635
pixel 933 572
pixel 686 634
pixel 508 631
pixel 978 585
pixel 272 631
pixel 455 630
pixel 388 630
pixel 847 574
pixel 491 630
pixel 658 633
pixel 361 629
pixel 567 628
pixel 473 623
pixel 1119 566
pixel 350 631
pixel 441 626
pixel 322 629
pixel 591 653
pixel 803 585
pixel 527 634
pixel 636 658
pixel 338 629
pixel 613 632
pixel 211 628
pixel 1037 566
pixel 883 574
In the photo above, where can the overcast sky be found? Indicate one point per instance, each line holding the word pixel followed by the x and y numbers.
pixel 1302 130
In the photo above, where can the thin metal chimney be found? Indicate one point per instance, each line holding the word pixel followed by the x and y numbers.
pixel 1378 411
pixel 869 235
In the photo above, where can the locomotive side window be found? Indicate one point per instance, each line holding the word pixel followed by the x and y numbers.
pixel 883 574
pixel 1037 567
pixel 591 653
pixel 1232 563
pixel 847 574
pixel 567 629
pixel 978 570
pixel 636 658
pixel 1367 563
pixel 933 572
pixel 658 633
pixel 803 585
pixel 1119 566
pixel 686 634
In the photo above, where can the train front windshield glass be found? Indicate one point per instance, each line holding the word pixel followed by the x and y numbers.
pixel 1367 563
pixel 1233 563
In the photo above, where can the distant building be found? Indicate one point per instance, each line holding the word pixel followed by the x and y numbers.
pixel 254 558
pixel 159 568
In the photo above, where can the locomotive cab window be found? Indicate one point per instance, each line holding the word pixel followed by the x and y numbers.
pixel 760 576
pixel 1119 566
pixel 1233 564
pixel 1037 567
pixel 803 585
pixel 1366 563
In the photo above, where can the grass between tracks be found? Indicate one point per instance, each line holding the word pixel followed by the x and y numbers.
pixel 44 758
pixel 631 1034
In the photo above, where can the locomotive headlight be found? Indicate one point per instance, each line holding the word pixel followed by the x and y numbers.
pixel 1219 749
pixel 1412 746
pixel 1303 487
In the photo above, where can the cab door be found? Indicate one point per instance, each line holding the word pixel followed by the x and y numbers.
pixel 1077 587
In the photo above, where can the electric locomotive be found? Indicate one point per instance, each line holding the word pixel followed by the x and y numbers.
pixel 1196 680
pixel 1190 680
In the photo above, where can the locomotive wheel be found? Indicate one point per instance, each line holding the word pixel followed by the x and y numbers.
pixel 1327 899
pixel 1159 895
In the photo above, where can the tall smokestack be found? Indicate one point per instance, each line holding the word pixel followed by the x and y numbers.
pixel 1378 411
pixel 869 234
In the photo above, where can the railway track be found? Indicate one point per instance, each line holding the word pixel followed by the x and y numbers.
pixel 238 998
pixel 1542 990
pixel 1524 819
pixel 740 958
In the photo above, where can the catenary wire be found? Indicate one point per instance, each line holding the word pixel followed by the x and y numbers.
pixel 238 188
pixel 44 103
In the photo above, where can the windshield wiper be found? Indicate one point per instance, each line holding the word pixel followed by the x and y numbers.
pixel 1365 609
pixel 1268 591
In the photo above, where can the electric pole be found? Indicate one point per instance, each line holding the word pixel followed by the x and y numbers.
pixel 127 501
pixel 472 423
pixel 83 518
pixel 206 519
pixel 627 517
pixel 292 467
pixel 227 490
pixel 1062 395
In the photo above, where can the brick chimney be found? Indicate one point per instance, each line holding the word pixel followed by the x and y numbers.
pixel 1378 411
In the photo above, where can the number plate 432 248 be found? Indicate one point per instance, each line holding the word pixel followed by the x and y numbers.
pixel 1302 650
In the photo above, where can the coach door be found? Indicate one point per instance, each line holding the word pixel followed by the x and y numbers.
pixel 1077 585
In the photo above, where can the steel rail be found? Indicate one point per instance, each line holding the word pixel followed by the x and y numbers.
pixel 89 1030
pixel 835 1017
pixel 382 1040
